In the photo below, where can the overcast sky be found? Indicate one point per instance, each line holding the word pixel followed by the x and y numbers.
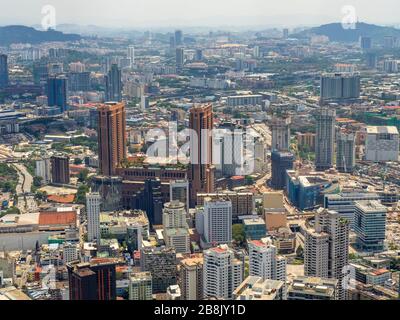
pixel 147 13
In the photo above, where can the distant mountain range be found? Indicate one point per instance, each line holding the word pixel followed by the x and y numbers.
pixel 23 34
pixel 336 32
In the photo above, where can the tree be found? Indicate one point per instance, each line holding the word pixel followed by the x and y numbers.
pixel 37 181
pixel 81 194
pixel 238 233
pixel 83 175
pixel 300 252
pixel 77 161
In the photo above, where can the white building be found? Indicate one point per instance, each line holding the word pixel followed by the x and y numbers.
pixel 222 273
pixel 70 252
pixel 131 54
pixel 43 169
pixel 218 221
pixel 382 144
pixel 93 216
pixel 174 293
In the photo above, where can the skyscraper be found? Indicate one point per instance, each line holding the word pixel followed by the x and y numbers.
pixel 370 225
pixel 93 216
pixel 57 92
pixel 140 286
pixel 180 58
pixel 326 250
pixel 131 55
pixel 201 170
pixel 365 43
pixel 191 278
pixel 222 273
pixel 178 37
pixel 3 71
pixel 114 84
pixel 325 139
pixel 340 87
pixel 280 129
pixel 346 152
pixel 60 170
pixel 92 281
pixel 264 261
pixel 111 136
pixel 281 161
pixel 218 221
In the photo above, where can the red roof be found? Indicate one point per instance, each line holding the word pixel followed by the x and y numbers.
pixel 68 198
pixel 57 218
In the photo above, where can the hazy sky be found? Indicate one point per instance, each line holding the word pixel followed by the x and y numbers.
pixel 145 13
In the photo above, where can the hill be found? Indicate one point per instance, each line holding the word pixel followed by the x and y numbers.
pixel 23 34
pixel 337 33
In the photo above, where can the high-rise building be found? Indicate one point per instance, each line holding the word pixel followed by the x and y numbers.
pixel 382 144
pixel 365 43
pixel 370 225
pixel 264 261
pixel 43 169
pixel 191 278
pixel 93 216
pixel 78 81
pixel 70 252
pixel 222 273
pixel 280 129
pixel 60 170
pixel 92 281
pixel 325 139
pixel 112 136
pixel 140 286
pixel 217 221
pixel 201 170
pixel 180 57
pixel 340 86
pixel 280 162
pixel 131 55
pixel 114 84
pixel 199 55
pixel 57 92
pixel 178 37
pixel 179 191
pixel 161 263
pixel 345 152
pixel 40 73
pixel 371 59
pixel 391 66
pixel 3 70
pixel 285 33
pixel 326 251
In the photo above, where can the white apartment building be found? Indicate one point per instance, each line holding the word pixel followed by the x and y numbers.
pixel 222 273
pixel 93 201
pixel 382 144
pixel 217 221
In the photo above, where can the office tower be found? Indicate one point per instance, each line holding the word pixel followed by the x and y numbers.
pixel 176 229
pixel 264 261
pixel 161 263
pixel 57 92
pixel 218 221
pixel 178 37
pixel 78 81
pixel 285 33
pixel 114 84
pixel 326 249
pixel 70 252
pixel 3 70
pixel 131 55
pixel 389 42
pixel 313 288
pixel 199 55
pixel 180 57
pixel 371 59
pixel 325 139
pixel 201 170
pixel 257 288
pixel 222 273
pixel 40 73
pixel 60 170
pixel 280 162
pixel 144 102
pixel 43 169
pixel 365 43
pixel 111 136
pixel 191 278
pixel 382 144
pixel 345 152
pixel 280 129
pixel 95 280
pixel 370 225
pixel 340 87
pixel 179 191
pixel 93 216
pixel 140 286
pixel 391 66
